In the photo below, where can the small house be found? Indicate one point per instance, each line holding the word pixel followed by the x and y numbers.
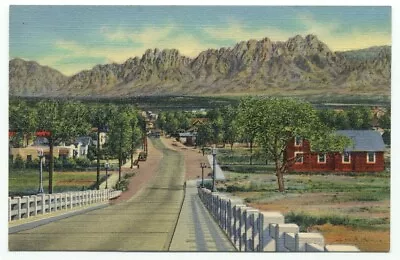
pixel 366 154
pixel 188 138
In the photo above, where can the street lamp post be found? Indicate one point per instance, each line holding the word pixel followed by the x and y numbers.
pixel 40 154
pixel 202 165
pixel 214 153
pixel 107 165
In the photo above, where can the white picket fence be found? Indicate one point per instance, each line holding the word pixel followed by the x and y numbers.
pixel 252 230
pixel 27 206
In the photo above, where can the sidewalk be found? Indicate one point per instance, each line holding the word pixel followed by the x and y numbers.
pixel 113 175
pixel 196 229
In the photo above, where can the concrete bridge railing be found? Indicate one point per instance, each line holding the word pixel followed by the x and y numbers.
pixel 27 206
pixel 252 230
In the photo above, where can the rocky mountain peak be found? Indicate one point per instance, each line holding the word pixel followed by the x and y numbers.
pixel 304 62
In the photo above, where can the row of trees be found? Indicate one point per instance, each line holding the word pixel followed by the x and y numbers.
pixel 66 120
pixel 271 123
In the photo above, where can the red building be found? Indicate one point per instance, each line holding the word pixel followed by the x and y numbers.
pixel 365 154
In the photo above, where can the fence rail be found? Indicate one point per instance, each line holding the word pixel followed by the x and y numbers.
pixel 27 206
pixel 252 230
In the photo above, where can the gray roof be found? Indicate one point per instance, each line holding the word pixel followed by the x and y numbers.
pixel 188 134
pixel 364 140
pixel 84 140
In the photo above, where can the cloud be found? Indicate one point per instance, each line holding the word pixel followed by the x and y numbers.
pixel 120 44
pixel 355 38
pixel 236 32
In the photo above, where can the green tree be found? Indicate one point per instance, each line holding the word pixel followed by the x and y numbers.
pixel 247 118
pixel 328 117
pixel 230 125
pixel 22 121
pixel 119 136
pixel 360 117
pixel 281 120
pixel 204 135
pixel 100 116
pixel 342 120
pixel 64 121
pixel 136 134
pixel 385 120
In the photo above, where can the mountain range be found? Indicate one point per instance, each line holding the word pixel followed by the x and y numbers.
pixel 299 65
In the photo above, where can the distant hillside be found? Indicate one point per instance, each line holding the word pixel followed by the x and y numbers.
pixel 28 78
pixel 301 65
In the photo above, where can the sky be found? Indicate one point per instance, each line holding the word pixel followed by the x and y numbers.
pixel 73 38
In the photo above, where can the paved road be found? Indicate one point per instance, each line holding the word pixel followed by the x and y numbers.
pixel 196 229
pixel 144 223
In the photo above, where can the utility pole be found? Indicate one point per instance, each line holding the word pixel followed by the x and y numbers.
pixel 214 153
pixel 202 165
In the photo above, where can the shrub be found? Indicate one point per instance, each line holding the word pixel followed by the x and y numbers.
pixel 34 164
pixel 83 162
pixel 19 162
pixel 128 175
pixel 122 185
pixel 58 163
pixel 69 163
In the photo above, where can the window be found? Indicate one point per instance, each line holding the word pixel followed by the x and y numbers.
pixel 371 158
pixel 346 158
pixel 321 158
pixel 298 141
pixel 29 158
pixel 298 157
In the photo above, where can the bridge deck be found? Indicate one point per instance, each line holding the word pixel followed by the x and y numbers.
pixel 146 222
pixel 196 229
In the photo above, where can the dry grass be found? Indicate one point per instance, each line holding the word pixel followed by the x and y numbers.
pixel 365 240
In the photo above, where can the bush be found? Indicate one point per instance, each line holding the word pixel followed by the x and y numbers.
pixel 305 221
pixel 34 164
pixel 122 185
pixel 69 163
pixel 58 163
pixel 128 175
pixel 83 162
pixel 19 162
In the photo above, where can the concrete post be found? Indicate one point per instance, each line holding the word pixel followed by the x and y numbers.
pixel 66 195
pixel 236 223
pixel 71 200
pixel 250 230
pixel 78 198
pixel 230 216
pixel 224 213
pixel 303 238
pixel 266 241
pixel 311 247
pixel 289 240
pixel 55 201
pixel 35 205
pixel 43 203
pixel 51 199
pixel 19 207
pixel 242 228
pixel 341 248
pixel 9 209
pixel 27 206
pixel 278 231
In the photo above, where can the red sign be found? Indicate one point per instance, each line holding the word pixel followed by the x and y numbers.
pixel 11 133
pixel 43 133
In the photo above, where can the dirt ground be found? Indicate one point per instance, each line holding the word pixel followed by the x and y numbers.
pixel 146 171
pixel 193 158
pixel 365 240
